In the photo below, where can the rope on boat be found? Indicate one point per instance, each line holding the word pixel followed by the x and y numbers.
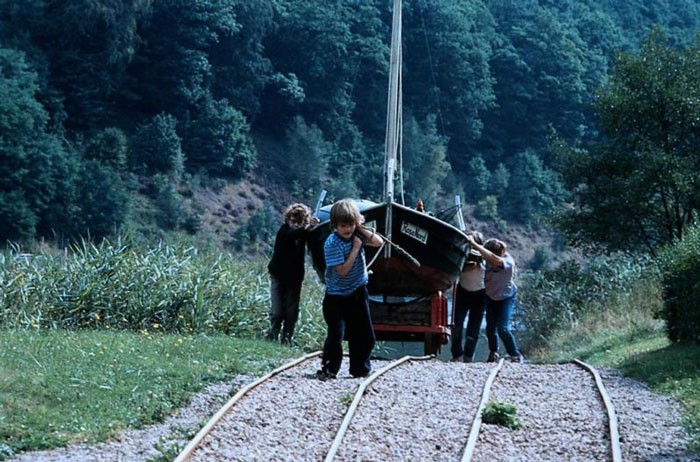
pixel 408 256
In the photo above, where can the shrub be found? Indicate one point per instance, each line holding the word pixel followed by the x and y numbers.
pixel 680 267
pixel 157 147
pixel 497 413
pixel 559 298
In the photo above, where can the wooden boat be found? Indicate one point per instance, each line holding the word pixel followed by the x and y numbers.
pixel 424 254
pixel 425 257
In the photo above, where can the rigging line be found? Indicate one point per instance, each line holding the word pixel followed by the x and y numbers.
pixel 432 69
pixel 413 260
pixel 400 135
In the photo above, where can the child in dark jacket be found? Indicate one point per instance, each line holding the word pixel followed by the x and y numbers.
pixel 286 270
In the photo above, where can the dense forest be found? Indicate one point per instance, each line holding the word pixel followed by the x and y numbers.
pixel 520 106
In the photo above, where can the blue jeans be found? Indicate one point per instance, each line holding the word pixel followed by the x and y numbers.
pixel 498 314
pixel 348 317
pixel 474 303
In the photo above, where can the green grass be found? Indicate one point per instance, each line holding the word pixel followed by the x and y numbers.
pixel 674 370
pixel 60 387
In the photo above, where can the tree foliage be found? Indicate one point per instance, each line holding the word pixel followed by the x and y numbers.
pixel 305 163
pixel 157 147
pixel 181 88
pixel 31 158
pixel 217 140
pixel 424 161
pixel 679 268
pixel 641 187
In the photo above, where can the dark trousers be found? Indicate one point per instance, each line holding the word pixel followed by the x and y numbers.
pixel 284 308
pixel 348 318
pixel 473 303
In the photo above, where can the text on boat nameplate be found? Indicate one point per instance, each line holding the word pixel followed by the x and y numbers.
pixel 414 231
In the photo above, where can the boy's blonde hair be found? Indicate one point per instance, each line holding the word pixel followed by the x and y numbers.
pixel 345 212
pixel 297 215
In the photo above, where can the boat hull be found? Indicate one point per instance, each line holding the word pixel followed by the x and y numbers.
pixel 425 256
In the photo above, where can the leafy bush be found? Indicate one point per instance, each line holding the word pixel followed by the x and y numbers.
pixel 540 258
pixel 259 231
pixel 680 267
pixel 104 203
pixel 169 203
pixel 559 298
pixel 487 208
pixel 304 162
pixel 503 414
pixel 157 147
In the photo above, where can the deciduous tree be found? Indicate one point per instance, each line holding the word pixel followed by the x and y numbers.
pixel 642 186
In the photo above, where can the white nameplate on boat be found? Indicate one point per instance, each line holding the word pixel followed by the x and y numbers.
pixel 414 231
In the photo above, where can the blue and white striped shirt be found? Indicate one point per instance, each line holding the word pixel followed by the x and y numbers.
pixel 336 251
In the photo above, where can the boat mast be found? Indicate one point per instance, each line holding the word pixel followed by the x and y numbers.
pixel 394 103
pixel 393 121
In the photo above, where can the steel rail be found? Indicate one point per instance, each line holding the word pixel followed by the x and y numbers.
pixel 186 453
pixel 612 416
pixel 358 397
pixel 609 408
pixel 476 424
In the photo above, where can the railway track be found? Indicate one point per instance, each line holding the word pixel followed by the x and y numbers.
pixel 414 408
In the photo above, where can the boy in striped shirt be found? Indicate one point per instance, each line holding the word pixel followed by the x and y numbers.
pixel 346 302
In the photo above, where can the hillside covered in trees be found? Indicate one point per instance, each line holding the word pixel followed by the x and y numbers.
pixel 116 115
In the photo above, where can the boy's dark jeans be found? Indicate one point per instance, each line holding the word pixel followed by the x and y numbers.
pixel 284 308
pixel 473 303
pixel 348 317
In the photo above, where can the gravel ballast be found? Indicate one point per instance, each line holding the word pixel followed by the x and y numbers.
pixel 421 410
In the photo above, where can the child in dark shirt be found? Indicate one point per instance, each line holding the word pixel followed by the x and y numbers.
pixel 286 270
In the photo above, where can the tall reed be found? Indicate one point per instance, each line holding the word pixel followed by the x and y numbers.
pixel 165 288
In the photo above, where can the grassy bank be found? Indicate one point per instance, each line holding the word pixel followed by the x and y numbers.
pixel 107 338
pixel 60 387
pixel 625 341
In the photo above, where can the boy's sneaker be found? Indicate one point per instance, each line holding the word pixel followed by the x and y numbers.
pixel 517 359
pixel 468 359
pixel 493 357
pixel 363 375
pixel 324 375
pixel 456 359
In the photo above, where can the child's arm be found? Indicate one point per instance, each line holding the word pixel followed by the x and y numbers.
pixel 489 256
pixel 372 239
pixel 345 267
